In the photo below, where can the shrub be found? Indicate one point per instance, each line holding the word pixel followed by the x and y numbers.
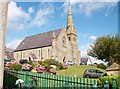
pixel 40 62
pixel 46 62
pixel 109 79
pixel 102 66
pixel 54 62
pixel 49 62
pixel 32 63
pixel 15 66
pixel 60 66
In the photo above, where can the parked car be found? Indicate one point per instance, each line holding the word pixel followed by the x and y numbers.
pixel 8 62
pixel 23 61
pixel 70 62
pixel 93 73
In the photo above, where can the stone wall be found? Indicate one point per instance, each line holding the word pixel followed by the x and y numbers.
pixel 63 52
pixel 40 53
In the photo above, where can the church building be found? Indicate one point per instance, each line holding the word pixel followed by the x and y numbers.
pixel 60 44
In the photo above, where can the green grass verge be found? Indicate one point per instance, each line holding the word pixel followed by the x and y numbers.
pixel 76 70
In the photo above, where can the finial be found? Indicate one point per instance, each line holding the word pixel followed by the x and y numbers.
pixel 69 8
pixel 53 36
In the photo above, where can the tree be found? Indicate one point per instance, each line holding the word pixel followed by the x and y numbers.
pixel 106 48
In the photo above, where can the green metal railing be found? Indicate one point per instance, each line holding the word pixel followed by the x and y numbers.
pixel 54 81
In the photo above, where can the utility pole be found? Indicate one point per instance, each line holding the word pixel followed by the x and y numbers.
pixel 3 19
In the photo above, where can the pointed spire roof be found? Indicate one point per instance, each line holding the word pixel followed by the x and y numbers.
pixel 70 20
pixel 70 24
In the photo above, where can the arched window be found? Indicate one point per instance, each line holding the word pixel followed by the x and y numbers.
pixel 63 41
pixel 69 38
pixel 29 59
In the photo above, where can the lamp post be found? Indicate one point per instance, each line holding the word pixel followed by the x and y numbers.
pixel 3 18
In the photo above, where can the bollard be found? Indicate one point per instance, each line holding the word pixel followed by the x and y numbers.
pixel 106 85
pixel 114 83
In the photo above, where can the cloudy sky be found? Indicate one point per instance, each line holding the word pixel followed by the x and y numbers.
pixel 92 20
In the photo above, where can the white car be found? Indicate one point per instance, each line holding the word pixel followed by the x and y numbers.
pixel 70 62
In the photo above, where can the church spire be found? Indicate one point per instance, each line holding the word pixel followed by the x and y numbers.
pixel 70 24
pixel 70 20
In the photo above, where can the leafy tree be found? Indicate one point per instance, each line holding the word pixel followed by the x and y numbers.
pixel 106 48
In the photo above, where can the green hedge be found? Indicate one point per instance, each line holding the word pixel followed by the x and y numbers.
pixel 102 66
pixel 49 62
pixel 109 79
pixel 15 67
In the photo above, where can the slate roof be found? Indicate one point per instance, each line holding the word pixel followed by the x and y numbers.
pixel 9 55
pixel 37 41
pixel 8 49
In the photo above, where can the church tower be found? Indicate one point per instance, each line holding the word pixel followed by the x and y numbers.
pixel 72 36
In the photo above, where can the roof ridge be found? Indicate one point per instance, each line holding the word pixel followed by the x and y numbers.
pixel 44 32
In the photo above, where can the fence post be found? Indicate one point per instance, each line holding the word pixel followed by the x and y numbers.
pixel 87 83
pixel 70 82
pixel 81 83
pixel 114 83
pixel 95 86
pixel 76 83
pixel 106 85
pixel 26 78
pixel 91 84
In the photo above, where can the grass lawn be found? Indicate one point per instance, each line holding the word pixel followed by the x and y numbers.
pixel 75 70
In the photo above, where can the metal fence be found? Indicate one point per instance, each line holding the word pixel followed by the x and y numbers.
pixel 56 81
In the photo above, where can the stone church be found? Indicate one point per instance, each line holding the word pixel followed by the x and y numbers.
pixel 60 44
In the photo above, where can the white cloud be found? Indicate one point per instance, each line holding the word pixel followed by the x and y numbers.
pixel 84 49
pixel 14 43
pixel 19 19
pixel 84 53
pixel 87 8
pixel 90 7
pixel 84 35
pixel 30 10
pixel 42 15
pixel 93 37
pixel 15 12
pixel 16 17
